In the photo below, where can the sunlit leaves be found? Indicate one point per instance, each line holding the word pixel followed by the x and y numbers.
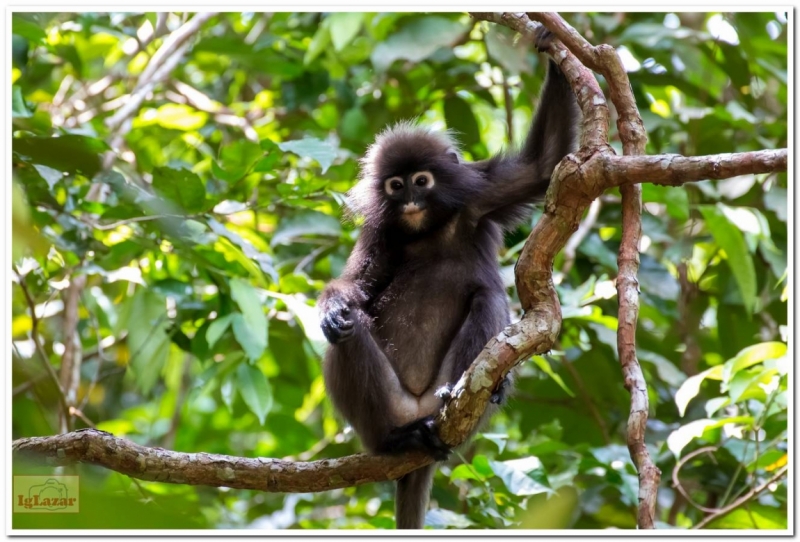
pixel 308 147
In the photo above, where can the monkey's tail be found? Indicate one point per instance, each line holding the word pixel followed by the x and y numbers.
pixel 411 497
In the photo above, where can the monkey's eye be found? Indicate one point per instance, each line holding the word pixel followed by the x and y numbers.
pixel 393 184
pixel 423 178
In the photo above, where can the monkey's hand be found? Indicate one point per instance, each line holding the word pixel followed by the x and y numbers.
pixel 542 38
pixel 340 311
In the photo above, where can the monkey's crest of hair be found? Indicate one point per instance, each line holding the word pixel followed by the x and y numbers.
pixel 407 142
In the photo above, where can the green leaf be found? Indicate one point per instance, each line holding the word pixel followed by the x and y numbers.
pixel 320 42
pixel 417 40
pixel 500 439
pixel 750 384
pixel 752 516
pixel 26 29
pixel 515 475
pixel 676 199
pixel 254 388
pixel 18 107
pixel 344 26
pixel 305 223
pixel 70 153
pixel 236 160
pixel 180 186
pixel 464 472
pixel 145 317
pixel 245 252
pixel 758 353
pixel 254 318
pixel 253 347
pixel 459 117
pixel 544 365
pixel 309 147
pixel 681 437
pixel 227 390
pixel 691 387
pixel 729 237
pixel 217 328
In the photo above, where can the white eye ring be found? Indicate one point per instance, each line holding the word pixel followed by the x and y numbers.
pixel 387 185
pixel 423 179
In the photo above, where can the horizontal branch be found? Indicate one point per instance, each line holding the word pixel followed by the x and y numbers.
pixel 103 449
pixel 676 170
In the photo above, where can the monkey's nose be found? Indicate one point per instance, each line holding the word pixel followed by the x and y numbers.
pixel 411 208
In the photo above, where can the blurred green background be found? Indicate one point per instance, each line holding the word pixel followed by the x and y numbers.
pixel 208 220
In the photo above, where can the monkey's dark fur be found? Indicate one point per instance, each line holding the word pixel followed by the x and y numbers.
pixel 421 294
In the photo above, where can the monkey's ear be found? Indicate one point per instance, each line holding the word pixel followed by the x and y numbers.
pixel 452 154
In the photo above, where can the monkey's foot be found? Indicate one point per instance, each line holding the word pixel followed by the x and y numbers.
pixel 444 392
pixel 419 435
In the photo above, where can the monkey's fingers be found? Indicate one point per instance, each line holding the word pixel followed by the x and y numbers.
pixel 336 328
pixel 542 38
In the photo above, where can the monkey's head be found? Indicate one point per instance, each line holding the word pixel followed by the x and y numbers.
pixel 412 178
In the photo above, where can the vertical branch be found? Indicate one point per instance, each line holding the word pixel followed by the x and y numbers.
pixel 604 59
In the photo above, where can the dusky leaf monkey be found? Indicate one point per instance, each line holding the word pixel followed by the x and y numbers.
pixel 421 293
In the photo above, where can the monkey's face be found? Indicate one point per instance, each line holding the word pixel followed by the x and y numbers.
pixel 410 195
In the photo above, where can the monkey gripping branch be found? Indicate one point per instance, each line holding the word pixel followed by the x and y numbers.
pixel 578 180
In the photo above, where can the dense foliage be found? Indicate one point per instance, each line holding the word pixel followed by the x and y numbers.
pixel 207 222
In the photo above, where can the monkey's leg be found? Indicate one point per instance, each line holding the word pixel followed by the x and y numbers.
pixel 487 316
pixel 363 385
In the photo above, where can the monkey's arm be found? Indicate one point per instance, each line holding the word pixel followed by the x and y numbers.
pixel 515 181
pixel 361 279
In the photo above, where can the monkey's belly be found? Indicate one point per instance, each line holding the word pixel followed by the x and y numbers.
pixel 415 328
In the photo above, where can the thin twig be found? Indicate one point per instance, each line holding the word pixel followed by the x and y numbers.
pixel 676 482
pixel 62 398
pixel 743 499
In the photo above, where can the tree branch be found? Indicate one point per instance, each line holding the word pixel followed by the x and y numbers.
pixel 676 170
pixel 99 448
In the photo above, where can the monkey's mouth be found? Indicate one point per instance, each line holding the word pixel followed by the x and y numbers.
pixel 412 209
